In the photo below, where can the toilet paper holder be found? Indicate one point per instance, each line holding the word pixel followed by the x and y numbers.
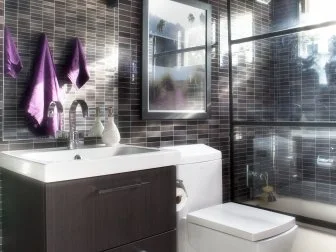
pixel 179 184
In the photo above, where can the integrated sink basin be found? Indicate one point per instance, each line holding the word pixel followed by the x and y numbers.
pixel 85 154
pixel 60 164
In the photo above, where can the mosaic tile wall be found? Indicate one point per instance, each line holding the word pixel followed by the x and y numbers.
pixel 294 157
pixel 214 131
pixel 94 23
pixel 252 75
pixel 112 39
pixel 306 92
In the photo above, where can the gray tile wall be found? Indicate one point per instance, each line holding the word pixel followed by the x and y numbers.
pixel 252 78
pixel 112 39
pixel 95 24
pixel 289 154
pixel 214 131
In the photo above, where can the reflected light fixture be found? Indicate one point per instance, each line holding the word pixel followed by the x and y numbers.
pixel 264 1
pixel 111 3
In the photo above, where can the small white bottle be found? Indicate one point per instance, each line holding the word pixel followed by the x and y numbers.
pixel 97 128
pixel 111 135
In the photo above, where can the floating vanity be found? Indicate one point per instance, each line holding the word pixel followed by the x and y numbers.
pixel 113 199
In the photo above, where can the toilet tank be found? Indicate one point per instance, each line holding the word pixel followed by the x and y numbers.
pixel 200 169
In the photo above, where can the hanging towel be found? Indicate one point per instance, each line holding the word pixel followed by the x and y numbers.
pixel 13 64
pixel 76 69
pixel 43 89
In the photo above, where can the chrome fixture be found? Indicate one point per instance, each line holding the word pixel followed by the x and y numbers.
pixel 52 106
pixel 73 134
pixel 51 109
pixel 263 176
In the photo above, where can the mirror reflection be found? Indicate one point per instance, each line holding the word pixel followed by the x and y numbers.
pixel 177 58
pixel 264 16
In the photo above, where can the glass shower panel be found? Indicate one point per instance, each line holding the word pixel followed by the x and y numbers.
pixel 288 169
pixel 286 78
pixel 257 17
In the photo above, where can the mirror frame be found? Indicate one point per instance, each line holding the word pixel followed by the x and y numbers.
pixel 183 114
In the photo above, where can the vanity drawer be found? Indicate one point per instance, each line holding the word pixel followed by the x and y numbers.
pixel 161 243
pixel 101 213
pixel 134 206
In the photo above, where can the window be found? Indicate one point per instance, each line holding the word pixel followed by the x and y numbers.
pixel 316 11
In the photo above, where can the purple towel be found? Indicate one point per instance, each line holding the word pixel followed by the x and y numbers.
pixel 13 64
pixel 43 89
pixel 76 69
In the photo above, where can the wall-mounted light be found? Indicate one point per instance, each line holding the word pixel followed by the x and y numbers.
pixel 264 1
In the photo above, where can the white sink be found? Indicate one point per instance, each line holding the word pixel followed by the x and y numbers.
pixel 59 164
pixel 61 155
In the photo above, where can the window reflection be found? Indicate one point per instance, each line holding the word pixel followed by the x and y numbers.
pixel 173 87
pixel 317 11
pixel 177 56
pixel 289 78
pixel 183 24
pixel 278 15
pixel 317 49
pixel 242 52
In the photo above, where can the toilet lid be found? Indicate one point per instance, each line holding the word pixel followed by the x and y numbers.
pixel 242 221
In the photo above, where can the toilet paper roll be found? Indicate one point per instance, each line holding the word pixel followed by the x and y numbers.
pixel 181 202
pixel 181 215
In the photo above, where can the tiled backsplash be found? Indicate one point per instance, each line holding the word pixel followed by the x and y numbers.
pixel 95 24
pixel 104 32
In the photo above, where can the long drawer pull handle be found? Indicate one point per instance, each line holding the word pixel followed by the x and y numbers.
pixel 121 188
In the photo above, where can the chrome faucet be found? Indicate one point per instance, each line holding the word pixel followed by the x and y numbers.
pixel 59 107
pixel 73 134
pixel 52 106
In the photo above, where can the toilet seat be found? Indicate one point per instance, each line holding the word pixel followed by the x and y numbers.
pixel 241 221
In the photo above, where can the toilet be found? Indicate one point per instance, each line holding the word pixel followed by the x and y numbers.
pixel 204 224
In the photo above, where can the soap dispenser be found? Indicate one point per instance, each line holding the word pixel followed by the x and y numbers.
pixel 97 128
pixel 111 135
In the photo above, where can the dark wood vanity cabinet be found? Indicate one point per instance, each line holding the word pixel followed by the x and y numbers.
pixel 161 243
pixel 127 212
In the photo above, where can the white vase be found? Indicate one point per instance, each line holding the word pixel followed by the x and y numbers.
pixel 111 135
pixel 97 128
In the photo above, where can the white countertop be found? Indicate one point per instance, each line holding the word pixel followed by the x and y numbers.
pixel 58 164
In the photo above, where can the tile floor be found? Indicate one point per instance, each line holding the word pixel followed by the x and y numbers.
pixel 309 240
